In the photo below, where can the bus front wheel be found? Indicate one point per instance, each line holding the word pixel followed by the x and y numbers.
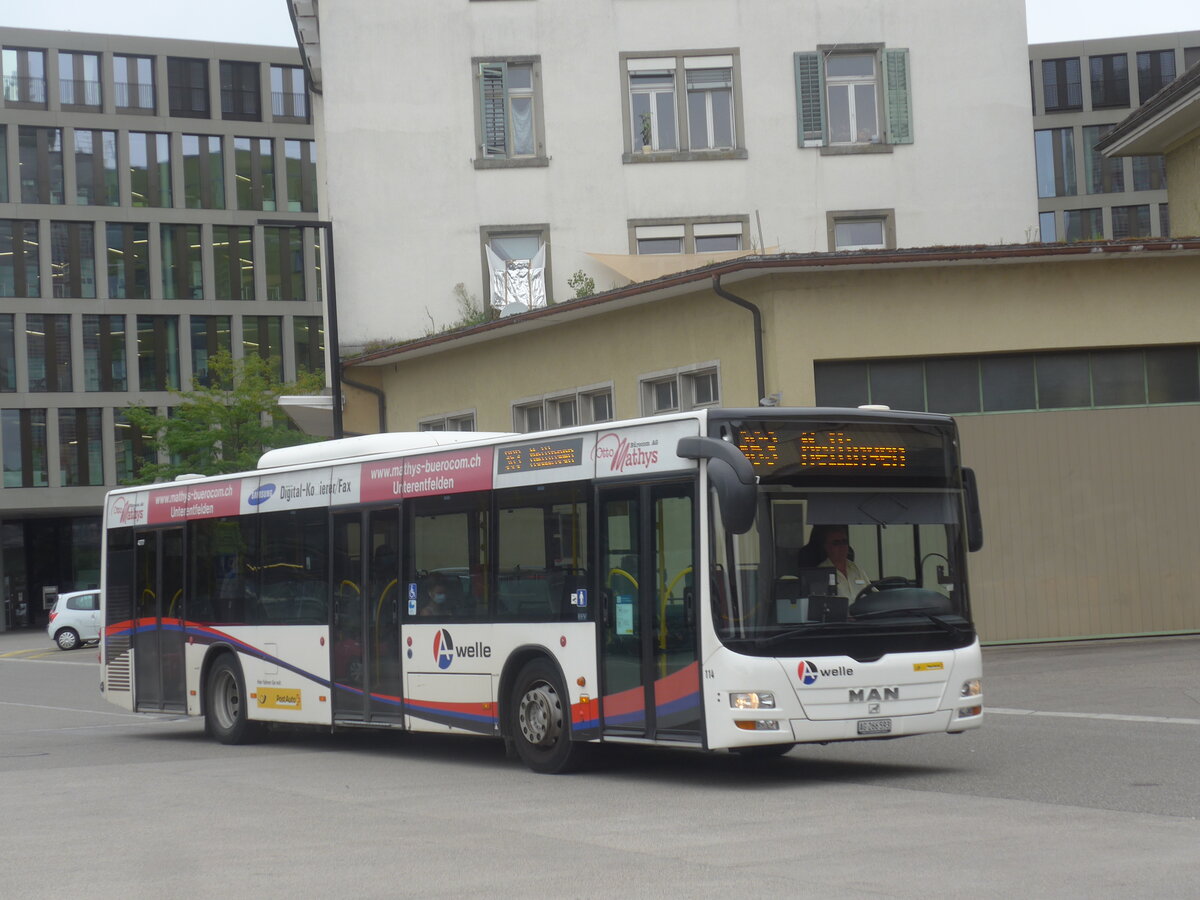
pixel 226 717
pixel 539 720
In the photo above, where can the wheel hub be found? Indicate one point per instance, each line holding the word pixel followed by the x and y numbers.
pixel 540 715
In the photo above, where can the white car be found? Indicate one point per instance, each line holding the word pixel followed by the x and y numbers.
pixel 75 619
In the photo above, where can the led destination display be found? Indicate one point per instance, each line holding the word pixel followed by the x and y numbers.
pixel 844 449
pixel 539 455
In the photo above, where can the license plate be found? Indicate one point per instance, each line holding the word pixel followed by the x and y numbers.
pixel 875 726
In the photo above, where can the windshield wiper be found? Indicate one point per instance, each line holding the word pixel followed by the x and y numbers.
pixel 796 632
pixel 912 611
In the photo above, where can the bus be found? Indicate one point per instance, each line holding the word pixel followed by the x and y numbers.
pixel 720 579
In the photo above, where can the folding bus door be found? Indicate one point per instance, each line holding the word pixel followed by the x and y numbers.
pixel 158 632
pixel 649 644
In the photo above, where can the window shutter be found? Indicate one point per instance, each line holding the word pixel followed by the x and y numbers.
pixel 899 102
pixel 493 90
pixel 810 94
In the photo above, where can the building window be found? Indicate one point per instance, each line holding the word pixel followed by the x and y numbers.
pixel 133 83
pixel 564 410
pixel 516 264
pixel 289 97
pixel 233 262
pixel 181 265
pixel 240 91
pixel 705 125
pixel 104 365
pixel 134 448
pixel 41 164
pixel 1131 221
pixel 19 265
pixel 284 251
pixel 864 229
pixel 509 128
pixel 203 172
pixel 96 168
pixel 308 335
pixel 73 259
pixel 1101 174
pixel 460 421
pixel 1149 173
pixel 710 108
pixel 1015 381
pixel 1047 228
pixel 23 435
pixel 3 163
pixel 158 353
pixel 24 77
pixel 695 235
pixel 1164 220
pixel 210 335
pixel 150 169
pixel 79 80
pixel 1062 85
pixel 1084 224
pixel 80 447
pixel 1055 155
pixel 1110 80
pixel 254 160
pixel 1191 56
pixel 128 260
pixel 300 160
pixel 680 390
pixel 1156 69
pixel 187 87
pixel 262 336
pixel 853 98
pixel 8 353
pixel 48 345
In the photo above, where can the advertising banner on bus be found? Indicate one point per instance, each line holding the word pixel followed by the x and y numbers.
pixel 642 449
pixel 205 500
pixel 452 472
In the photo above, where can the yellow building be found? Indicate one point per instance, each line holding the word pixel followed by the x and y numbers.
pixel 1074 371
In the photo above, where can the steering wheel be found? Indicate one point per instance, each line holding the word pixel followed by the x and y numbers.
pixel 883 584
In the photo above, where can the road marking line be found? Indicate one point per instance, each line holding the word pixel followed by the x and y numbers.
pixel 1112 717
pixel 96 712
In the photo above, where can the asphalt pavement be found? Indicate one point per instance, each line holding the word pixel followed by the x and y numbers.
pixel 1082 783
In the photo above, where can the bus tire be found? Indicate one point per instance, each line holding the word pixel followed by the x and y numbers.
pixel 226 716
pixel 540 720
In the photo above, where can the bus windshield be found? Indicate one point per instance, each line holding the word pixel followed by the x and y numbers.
pixel 871 571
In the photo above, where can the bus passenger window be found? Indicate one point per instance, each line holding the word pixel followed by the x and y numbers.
pixel 541 541
pixel 447 559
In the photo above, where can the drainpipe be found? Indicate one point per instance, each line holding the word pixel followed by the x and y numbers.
pixel 380 399
pixel 758 333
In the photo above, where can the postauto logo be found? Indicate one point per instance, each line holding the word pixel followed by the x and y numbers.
pixel 444 650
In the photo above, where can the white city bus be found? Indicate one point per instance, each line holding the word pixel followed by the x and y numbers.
pixel 665 581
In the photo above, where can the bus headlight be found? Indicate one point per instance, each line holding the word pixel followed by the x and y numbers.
pixel 751 699
pixel 973 687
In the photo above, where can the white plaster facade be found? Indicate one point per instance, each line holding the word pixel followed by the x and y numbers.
pixel 397 118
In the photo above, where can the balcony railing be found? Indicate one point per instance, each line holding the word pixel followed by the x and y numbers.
pixel 24 89
pixel 289 104
pixel 132 95
pixel 72 92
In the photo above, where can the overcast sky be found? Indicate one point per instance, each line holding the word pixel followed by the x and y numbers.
pixel 266 21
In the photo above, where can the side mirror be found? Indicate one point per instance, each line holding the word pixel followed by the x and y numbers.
pixel 974 516
pixel 731 474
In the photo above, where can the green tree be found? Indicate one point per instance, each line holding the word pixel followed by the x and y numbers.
pixel 226 425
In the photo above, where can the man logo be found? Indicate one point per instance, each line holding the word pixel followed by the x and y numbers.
pixel 443 648
pixel 808 672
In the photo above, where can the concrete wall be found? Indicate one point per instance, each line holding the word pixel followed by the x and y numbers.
pixel 397 122
pixel 1183 174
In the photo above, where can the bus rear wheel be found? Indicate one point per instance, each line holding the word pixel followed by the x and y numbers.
pixel 226 716
pixel 539 720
